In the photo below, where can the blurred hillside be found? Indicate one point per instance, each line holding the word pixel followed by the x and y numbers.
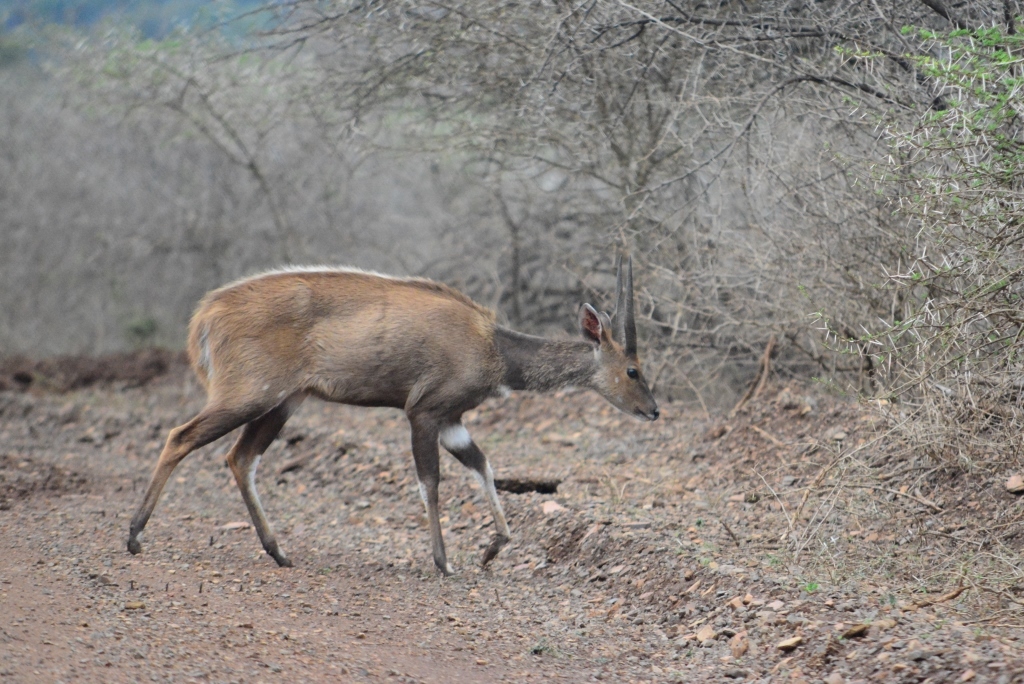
pixel 153 18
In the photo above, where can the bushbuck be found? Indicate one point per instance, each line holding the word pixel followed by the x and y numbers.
pixel 261 345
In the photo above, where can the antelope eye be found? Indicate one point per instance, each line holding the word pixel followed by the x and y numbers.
pixel 631 372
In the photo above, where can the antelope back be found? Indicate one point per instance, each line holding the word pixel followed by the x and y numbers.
pixel 341 334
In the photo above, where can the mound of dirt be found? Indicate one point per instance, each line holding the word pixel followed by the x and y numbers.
pixel 67 373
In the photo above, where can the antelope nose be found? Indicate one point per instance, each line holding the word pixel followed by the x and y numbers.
pixel 655 413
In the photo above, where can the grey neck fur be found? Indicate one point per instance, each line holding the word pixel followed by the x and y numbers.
pixel 535 363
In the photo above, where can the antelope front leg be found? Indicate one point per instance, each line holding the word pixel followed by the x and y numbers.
pixel 457 441
pixel 428 471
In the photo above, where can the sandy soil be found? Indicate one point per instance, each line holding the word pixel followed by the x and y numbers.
pixel 698 548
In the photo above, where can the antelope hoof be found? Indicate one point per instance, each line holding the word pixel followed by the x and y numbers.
pixel 498 541
pixel 134 547
pixel 280 558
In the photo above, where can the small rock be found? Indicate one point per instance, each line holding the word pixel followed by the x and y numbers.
pixel 706 634
pixel 237 525
pixel 834 678
pixel 551 507
pixel 69 413
pixel 481 661
pixel 555 438
pixel 134 605
pixel 716 432
pixel 738 645
pixel 1015 485
pixel 735 673
pixel 92 435
pixel 293 464
pixel 786 400
pixel 885 623
pixel 967 676
pixel 788 645
pixel 856 631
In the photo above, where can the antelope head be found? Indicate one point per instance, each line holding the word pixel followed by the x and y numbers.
pixel 619 378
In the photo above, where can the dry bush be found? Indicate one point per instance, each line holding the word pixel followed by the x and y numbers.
pixel 953 353
pixel 726 146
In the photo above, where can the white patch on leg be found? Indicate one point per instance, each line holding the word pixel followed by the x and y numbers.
pixel 455 437
pixel 486 481
pixel 251 475
pixel 423 495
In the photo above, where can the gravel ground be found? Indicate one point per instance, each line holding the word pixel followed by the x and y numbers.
pixel 698 548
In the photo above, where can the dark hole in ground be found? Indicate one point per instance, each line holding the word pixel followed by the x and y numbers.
pixel 521 486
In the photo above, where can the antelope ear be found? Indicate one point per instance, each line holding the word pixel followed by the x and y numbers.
pixel 590 324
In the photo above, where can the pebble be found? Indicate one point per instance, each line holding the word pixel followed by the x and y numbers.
pixel 787 645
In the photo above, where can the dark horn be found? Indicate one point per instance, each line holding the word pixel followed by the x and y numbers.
pixel 625 323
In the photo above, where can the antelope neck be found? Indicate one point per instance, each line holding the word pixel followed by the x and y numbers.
pixel 536 363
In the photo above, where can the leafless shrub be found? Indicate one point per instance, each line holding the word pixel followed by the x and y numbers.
pixel 953 351
pixel 724 145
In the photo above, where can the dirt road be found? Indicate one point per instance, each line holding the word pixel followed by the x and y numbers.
pixel 687 550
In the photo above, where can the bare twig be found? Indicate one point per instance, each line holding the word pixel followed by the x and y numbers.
pixel 918 499
pixel 768 436
pixel 729 530
pixel 948 596
pixel 764 368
